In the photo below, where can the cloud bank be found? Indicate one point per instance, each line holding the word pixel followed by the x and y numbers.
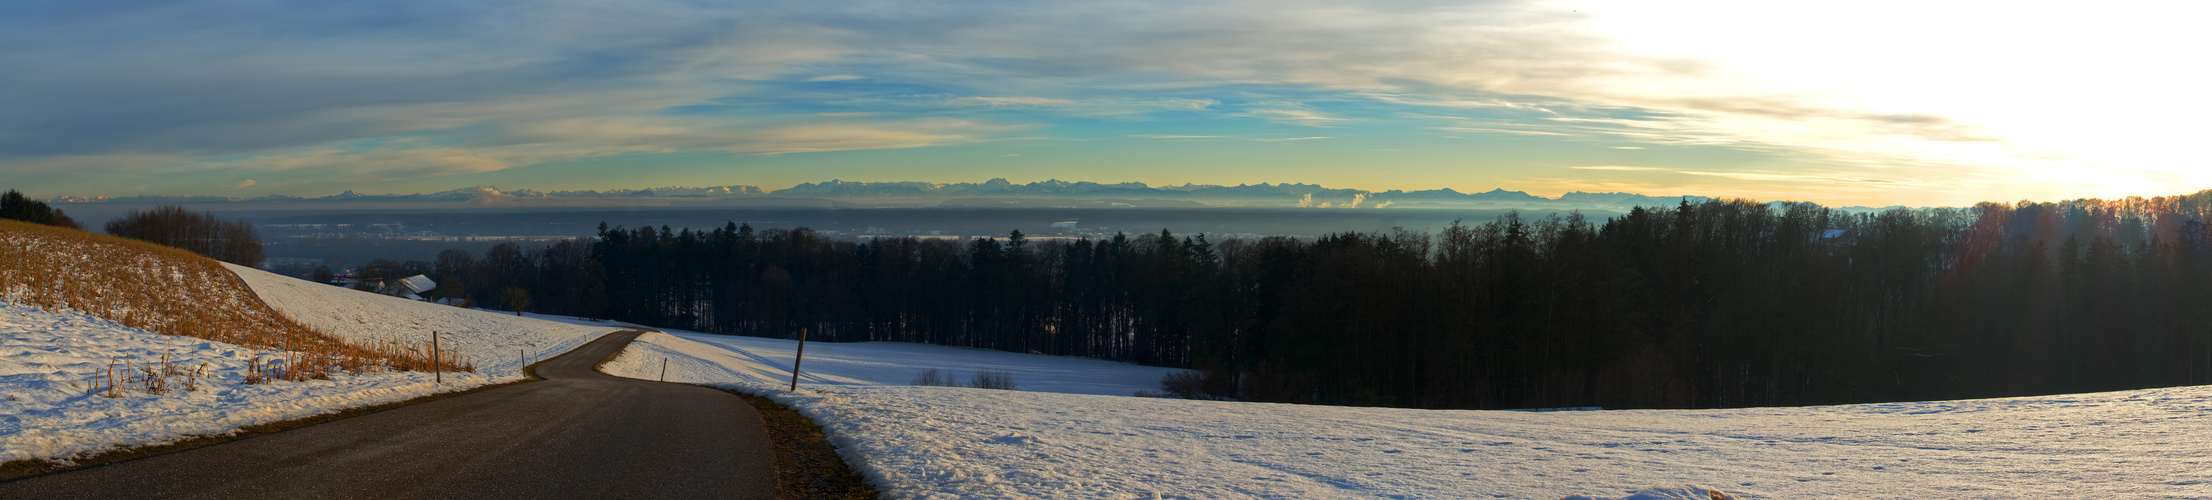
pixel 318 94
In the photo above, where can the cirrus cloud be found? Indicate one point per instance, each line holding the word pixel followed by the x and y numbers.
pixel 424 88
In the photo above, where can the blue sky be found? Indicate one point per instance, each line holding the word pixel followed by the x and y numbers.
pixel 1873 103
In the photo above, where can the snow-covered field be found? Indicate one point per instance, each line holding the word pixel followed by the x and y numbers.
pixel 52 363
pixel 762 361
pixel 1072 431
pixel 497 343
pixel 1089 442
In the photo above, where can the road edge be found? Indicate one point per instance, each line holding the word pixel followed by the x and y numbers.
pixel 808 467
pixel 36 467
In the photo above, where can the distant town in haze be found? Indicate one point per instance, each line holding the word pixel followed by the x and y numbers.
pixel 349 228
pixel 993 192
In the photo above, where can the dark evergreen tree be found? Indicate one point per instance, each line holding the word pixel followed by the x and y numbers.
pixel 1711 304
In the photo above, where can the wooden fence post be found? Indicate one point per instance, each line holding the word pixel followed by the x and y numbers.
pixel 796 359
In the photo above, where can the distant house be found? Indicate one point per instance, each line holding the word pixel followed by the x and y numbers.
pixel 410 288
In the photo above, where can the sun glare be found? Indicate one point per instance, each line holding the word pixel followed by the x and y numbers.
pixel 2103 98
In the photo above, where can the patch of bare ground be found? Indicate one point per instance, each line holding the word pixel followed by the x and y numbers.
pixel 807 466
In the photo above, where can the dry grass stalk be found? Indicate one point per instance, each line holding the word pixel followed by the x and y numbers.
pixel 192 378
pixel 110 387
pixel 174 292
pixel 150 378
pixel 255 373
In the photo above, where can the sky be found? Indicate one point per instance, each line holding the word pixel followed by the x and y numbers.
pixel 1862 103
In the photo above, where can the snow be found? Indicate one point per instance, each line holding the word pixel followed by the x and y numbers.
pixel 52 362
pixel 1676 492
pixel 1072 431
pixel 51 365
pixel 497 343
pixel 767 362
pixel 1091 442
pixel 417 284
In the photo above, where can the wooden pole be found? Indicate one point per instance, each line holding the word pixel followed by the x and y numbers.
pixel 434 368
pixel 796 359
pixel 664 369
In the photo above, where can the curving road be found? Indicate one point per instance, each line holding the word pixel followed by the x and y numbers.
pixel 578 434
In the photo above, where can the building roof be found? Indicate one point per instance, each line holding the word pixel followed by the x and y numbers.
pixel 417 284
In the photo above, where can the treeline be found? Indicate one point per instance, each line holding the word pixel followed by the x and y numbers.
pixel 1716 304
pixel 233 241
pixel 15 206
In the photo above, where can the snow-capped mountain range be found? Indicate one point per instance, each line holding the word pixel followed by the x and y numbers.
pixel 1263 194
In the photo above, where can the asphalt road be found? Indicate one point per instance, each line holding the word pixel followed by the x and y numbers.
pixel 578 434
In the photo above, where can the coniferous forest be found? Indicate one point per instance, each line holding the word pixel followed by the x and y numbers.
pixel 1699 305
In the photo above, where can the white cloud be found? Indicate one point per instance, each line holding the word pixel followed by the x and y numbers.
pixel 1263 139
pixel 1481 130
pixel 244 184
pixel 1097 106
pixel 1012 101
pixel 1785 177
pixel 1172 136
pixel 837 137
pixel 1294 114
pixel 1978 91
pixel 1446 101
pixel 379 164
pixel 1816 90
pixel 572 139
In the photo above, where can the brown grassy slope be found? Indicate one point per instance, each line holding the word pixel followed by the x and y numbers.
pixel 163 290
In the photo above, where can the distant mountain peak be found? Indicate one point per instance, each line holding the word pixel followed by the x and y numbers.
pixel 1287 194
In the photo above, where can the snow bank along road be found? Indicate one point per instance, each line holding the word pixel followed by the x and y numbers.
pixel 577 434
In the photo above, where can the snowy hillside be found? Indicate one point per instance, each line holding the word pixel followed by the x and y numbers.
pixel 496 343
pixel 109 342
pixel 53 367
pixel 942 442
pixel 145 286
